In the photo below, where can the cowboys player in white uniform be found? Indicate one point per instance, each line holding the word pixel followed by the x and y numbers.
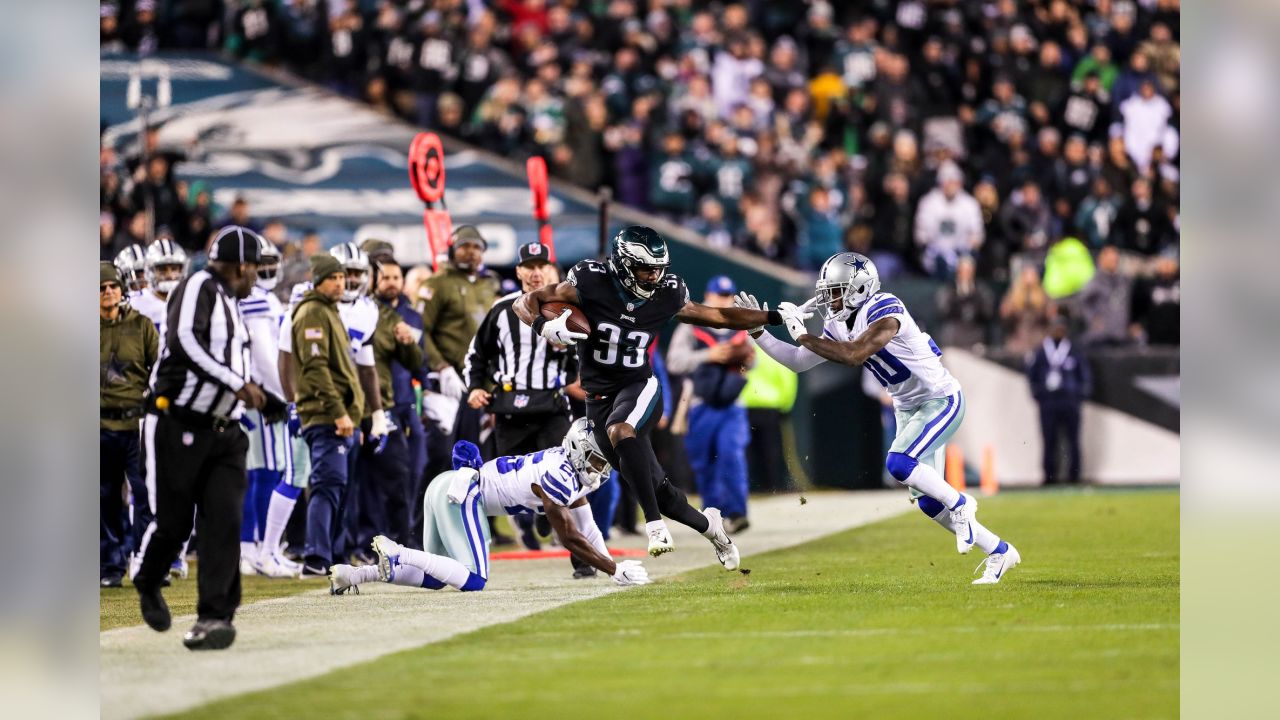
pixel 132 264
pixel 270 458
pixel 455 533
pixel 360 316
pixel 864 326
pixel 163 266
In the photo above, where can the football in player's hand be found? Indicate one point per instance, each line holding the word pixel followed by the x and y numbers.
pixel 577 320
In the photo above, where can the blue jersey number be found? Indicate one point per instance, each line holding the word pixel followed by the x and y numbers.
pixel 888 369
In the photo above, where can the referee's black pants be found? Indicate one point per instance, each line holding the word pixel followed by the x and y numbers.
pixel 524 434
pixel 199 472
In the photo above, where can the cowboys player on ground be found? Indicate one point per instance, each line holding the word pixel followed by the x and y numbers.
pixel 867 327
pixel 627 300
pixel 554 482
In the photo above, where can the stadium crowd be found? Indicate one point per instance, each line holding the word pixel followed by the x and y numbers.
pixel 917 132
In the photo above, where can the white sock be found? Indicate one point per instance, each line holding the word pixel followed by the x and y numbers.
pixel 651 526
pixel 445 569
pixel 928 481
pixel 586 524
pixel 986 540
pixel 407 575
pixel 278 513
pixel 248 550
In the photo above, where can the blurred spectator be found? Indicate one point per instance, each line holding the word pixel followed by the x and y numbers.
pixel 1097 214
pixel 1025 220
pixel 238 215
pixel 1157 304
pixel 158 194
pixel 710 224
pixel 966 307
pixel 1146 125
pixel 1025 312
pixel 1060 383
pixel 295 262
pixel 1087 109
pixel 948 223
pixel 1105 302
pixel 1067 268
pixel 1142 223
pixel 106 237
pixel 820 232
pixel 133 233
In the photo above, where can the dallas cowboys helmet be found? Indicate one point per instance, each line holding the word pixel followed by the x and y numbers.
pixel 850 278
pixel 132 264
pixel 269 265
pixel 166 264
pixel 638 248
pixel 583 451
pixel 356 265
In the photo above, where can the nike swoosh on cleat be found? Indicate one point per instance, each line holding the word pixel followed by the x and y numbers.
pixel 970 540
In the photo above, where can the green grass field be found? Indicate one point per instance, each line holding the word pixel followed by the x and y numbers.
pixel 878 621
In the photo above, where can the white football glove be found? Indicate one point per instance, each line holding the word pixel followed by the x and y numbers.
pixel 749 302
pixel 451 385
pixel 793 317
pixel 631 572
pixel 379 429
pixel 557 331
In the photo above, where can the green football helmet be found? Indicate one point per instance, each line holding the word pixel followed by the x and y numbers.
pixel 638 248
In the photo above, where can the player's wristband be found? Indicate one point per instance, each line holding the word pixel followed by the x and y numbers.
pixel 775 318
pixel 537 325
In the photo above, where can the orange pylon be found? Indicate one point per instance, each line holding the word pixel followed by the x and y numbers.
pixel 988 483
pixel 955 467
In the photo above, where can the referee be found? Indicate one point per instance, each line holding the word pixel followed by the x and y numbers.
pixel 199 391
pixel 514 373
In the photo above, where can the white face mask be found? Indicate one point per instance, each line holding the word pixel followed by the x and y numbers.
pixel 165 287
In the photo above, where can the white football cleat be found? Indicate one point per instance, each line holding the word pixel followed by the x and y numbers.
pixel 246 566
pixel 961 519
pixel 274 566
pixel 341 580
pixel 388 557
pixel 179 568
pixel 997 565
pixel 660 540
pixel 726 551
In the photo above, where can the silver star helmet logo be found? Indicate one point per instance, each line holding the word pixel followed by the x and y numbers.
pixel 858 264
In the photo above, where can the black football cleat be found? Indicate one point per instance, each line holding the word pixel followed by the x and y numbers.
pixel 210 635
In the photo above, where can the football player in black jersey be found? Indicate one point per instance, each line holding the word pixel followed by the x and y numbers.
pixel 627 300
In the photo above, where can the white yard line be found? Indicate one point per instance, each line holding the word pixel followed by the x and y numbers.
pixel 288 639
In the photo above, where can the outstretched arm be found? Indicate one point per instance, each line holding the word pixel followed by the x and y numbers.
pixel 731 318
pixel 529 307
pixel 795 359
pixel 573 540
pixel 856 351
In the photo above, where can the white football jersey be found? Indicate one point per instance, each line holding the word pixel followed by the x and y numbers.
pixel 360 318
pixel 263 313
pixel 910 365
pixel 156 310
pixel 505 483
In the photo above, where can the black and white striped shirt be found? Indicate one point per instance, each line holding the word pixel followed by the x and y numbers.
pixel 506 350
pixel 206 355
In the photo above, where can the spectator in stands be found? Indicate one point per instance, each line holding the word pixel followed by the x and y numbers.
pixel 1060 383
pixel 1142 223
pixel 948 223
pixel 238 215
pixel 1157 303
pixel 1026 221
pixel 1087 109
pixel 133 233
pixel 1104 303
pixel 1097 214
pixel 158 194
pixel 820 233
pixel 966 307
pixel 1025 312
pixel 1146 117
pixel 106 237
pixel 710 223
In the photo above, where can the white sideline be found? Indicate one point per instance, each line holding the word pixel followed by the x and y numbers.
pixel 284 640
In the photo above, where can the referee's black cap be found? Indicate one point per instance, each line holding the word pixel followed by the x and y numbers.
pixel 236 244
pixel 533 252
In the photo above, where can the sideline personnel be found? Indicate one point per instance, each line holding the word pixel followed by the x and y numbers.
pixel 200 390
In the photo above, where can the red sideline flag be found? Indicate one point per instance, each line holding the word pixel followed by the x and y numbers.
pixel 426 176
pixel 536 167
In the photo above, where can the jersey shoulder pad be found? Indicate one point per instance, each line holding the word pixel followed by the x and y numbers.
pixel 583 271
pixel 559 483
pixel 298 291
pixel 679 290
pixel 883 305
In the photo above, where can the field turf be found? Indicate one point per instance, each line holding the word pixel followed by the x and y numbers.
pixel 880 621
pixel 118 607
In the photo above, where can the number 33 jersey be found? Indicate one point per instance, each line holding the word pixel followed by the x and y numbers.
pixel 910 365
pixel 622 326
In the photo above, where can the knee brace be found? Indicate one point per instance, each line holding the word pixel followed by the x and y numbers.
pixel 474 583
pixel 929 506
pixel 900 466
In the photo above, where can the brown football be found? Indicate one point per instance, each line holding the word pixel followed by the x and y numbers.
pixel 577 318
